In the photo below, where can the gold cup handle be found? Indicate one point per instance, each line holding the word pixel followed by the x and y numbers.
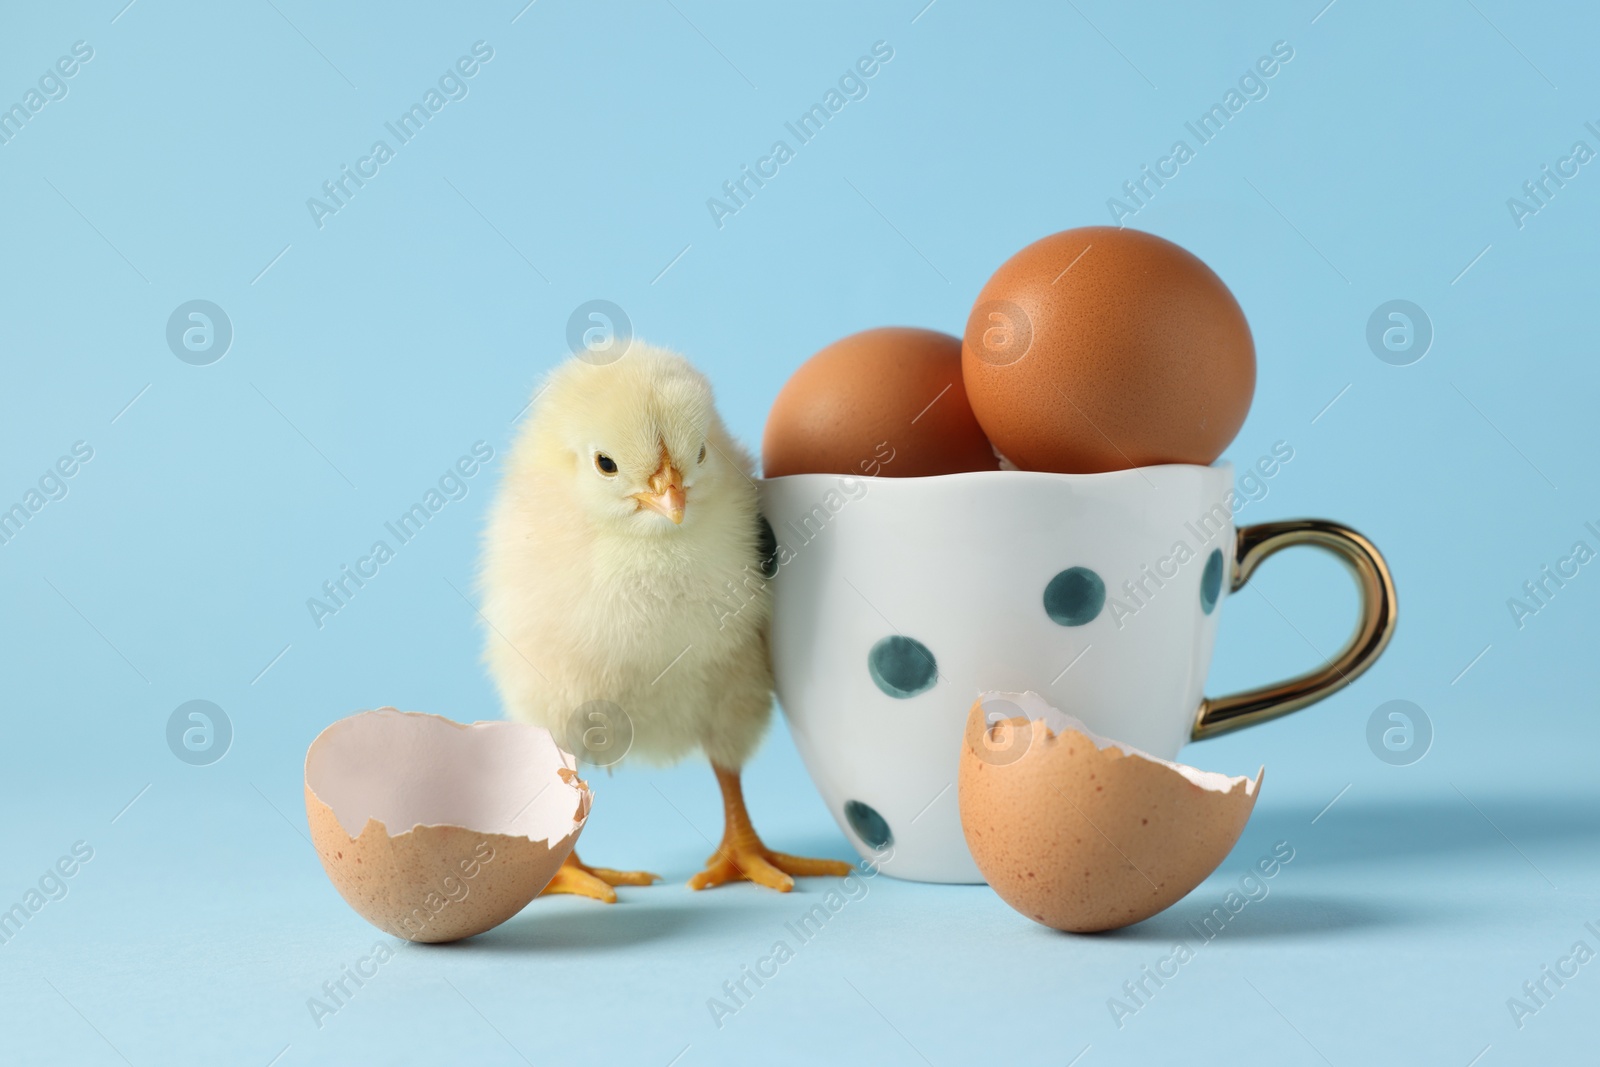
pixel 1220 715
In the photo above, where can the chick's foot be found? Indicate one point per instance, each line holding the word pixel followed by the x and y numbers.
pixel 755 862
pixel 743 857
pixel 578 878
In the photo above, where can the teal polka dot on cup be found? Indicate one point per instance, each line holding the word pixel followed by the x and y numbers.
pixel 1075 596
pixel 868 825
pixel 902 666
pixel 1211 582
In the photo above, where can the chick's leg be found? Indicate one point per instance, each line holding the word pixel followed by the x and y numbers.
pixel 578 878
pixel 742 856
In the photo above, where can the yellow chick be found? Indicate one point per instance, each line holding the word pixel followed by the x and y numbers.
pixel 622 586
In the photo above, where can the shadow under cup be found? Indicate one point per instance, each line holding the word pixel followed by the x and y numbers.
pixel 897 601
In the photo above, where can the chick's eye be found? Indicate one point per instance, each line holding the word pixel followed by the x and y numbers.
pixel 702 458
pixel 605 464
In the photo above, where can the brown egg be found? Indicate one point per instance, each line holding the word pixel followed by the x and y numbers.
pixel 1101 349
pixel 436 830
pixel 1084 834
pixel 889 401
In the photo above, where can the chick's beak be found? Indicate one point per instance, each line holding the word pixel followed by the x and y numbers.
pixel 666 495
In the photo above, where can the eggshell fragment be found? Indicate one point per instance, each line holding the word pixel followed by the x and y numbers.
pixel 1081 833
pixel 435 830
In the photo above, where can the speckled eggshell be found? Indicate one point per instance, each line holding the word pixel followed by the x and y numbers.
pixel 888 402
pixel 1101 349
pixel 475 849
pixel 1086 838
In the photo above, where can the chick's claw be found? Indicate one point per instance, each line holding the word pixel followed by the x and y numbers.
pixel 611 877
pixel 746 865
pixel 751 861
pixel 578 878
pixel 805 867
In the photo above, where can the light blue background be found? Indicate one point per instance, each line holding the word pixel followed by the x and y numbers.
pixel 380 347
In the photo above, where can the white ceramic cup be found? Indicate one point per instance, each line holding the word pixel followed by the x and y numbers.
pixel 899 601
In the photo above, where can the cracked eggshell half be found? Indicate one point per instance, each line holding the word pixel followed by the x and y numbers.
pixel 435 830
pixel 1082 833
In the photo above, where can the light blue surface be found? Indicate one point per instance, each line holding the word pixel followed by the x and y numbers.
pixel 370 353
